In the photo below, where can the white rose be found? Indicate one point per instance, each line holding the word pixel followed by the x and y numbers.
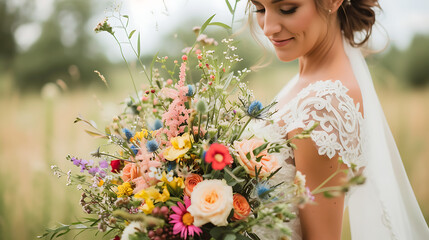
pixel 131 229
pixel 211 201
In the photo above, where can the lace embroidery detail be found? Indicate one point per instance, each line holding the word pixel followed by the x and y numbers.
pixel 340 122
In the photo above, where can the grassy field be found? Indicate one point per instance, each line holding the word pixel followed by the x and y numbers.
pixel 37 132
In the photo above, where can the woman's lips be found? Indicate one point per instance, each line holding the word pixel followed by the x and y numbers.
pixel 281 43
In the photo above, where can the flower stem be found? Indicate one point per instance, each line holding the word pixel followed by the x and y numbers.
pixel 242 130
pixel 199 126
pixel 316 190
pixel 134 50
pixel 115 157
pixel 128 67
pixel 233 14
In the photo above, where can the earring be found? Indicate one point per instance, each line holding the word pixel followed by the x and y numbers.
pixel 329 11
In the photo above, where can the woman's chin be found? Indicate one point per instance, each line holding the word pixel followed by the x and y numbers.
pixel 284 57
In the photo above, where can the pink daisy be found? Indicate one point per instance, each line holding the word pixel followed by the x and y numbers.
pixel 183 220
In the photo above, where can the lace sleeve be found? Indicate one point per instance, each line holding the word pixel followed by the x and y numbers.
pixel 340 122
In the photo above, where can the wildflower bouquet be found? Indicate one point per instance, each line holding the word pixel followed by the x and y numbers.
pixel 179 162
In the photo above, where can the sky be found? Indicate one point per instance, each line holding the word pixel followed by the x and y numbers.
pixel 396 24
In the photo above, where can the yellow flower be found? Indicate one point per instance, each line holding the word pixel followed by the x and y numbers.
pixel 115 181
pixel 140 135
pixel 164 196
pixel 153 194
pixel 176 183
pixel 100 183
pixel 147 193
pixel 148 206
pixel 153 133
pixel 180 146
pixel 124 189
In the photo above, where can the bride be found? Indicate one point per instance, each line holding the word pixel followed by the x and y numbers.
pixel 334 87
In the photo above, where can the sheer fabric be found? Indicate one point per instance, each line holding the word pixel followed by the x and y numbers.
pixel 340 122
pixel 385 206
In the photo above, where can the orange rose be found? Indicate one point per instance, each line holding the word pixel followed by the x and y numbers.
pixel 241 207
pixel 190 182
pixel 130 172
pixel 268 162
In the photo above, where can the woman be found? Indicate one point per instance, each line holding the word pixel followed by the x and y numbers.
pixel 335 88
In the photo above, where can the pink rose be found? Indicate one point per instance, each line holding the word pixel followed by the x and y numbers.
pixel 268 162
pixel 130 172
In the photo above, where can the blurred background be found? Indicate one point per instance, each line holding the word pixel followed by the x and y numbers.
pixel 48 54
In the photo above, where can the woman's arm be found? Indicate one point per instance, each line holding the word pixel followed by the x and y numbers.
pixel 323 220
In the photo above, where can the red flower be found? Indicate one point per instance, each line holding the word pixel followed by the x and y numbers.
pixel 116 166
pixel 116 237
pixel 218 155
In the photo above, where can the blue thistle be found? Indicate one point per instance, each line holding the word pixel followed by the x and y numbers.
pixel 157 125
pixel 254 108
pixel 127 133
pixel 152 145
pixel 171 165
pixel 191 90
pixel 263 190
pixel 134 149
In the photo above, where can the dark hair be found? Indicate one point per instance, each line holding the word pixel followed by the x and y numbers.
pixel 355 16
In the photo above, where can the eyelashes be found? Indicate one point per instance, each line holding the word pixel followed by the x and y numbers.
pixel 290 11
pixel 285 12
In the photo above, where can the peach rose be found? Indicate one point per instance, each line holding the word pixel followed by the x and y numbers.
pixel 130 172
pixel 268 162
pixel 144 180
pixel 190 182
pixel 241 207
pixel 211 201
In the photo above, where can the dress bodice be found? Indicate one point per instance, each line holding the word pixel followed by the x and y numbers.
pixel 340 129
pixel 339 132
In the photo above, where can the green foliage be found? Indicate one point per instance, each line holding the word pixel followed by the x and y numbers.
pixel 58 54
pixel 226 233
pixel 10 19
pixel 416 68
pixel 409 67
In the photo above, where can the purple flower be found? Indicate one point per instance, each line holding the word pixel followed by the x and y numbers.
pixel 103 164
pixel 93 171
pixel 82 164
pixel 102 174
pixel 76 161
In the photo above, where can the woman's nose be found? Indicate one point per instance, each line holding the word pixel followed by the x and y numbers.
pixel 271 24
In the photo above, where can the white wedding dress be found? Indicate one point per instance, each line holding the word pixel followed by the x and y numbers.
pixel 385 206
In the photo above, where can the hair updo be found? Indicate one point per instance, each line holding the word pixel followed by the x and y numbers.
pixel 356 16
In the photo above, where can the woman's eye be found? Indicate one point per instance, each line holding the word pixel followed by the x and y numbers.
pixel 290 11
pixel 262 10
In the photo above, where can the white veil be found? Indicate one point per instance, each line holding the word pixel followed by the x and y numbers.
pixel 385 206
